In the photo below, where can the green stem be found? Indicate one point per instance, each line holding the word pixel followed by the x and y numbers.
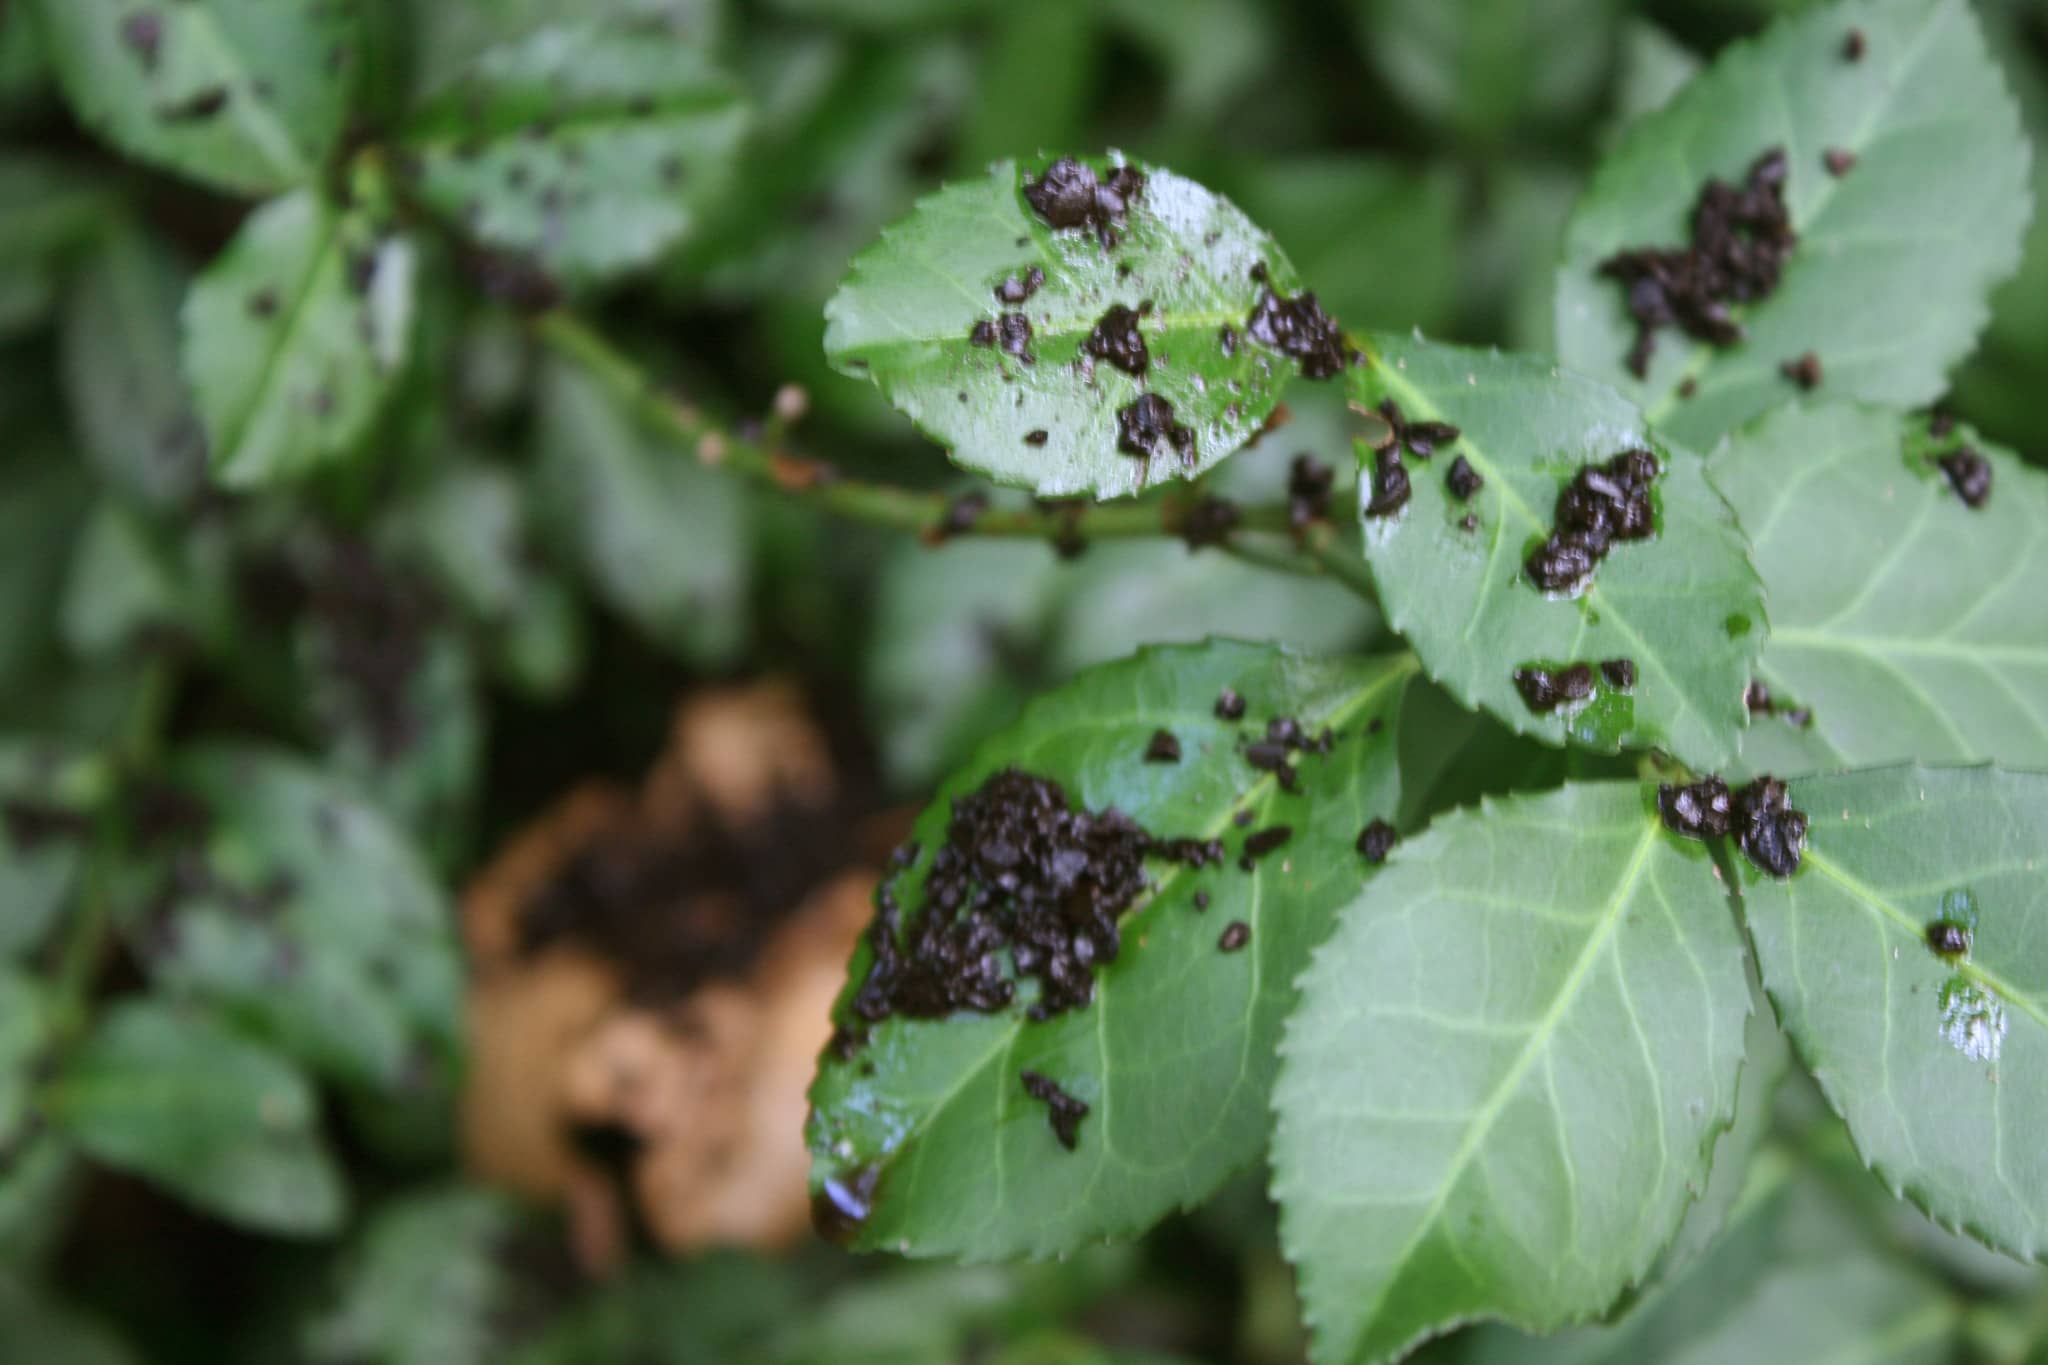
pixel 899 509
pixel 1321 556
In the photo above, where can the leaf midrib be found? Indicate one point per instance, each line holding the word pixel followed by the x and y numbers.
pixel 1399 669
pixel 1539 1041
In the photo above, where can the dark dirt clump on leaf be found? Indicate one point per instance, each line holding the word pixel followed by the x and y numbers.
pixel 1544 690
pixel 1163 748
pixel 1698 810
pixel 1229 705
pixel 1210 521
pixel 1463 480
pixel 1116 339
pixel 1011 331
pixel 1021 869
pixel 1235 935
pixel 1741 238
pixel 1804 371
pixel 1620 673
pixel 1019 288
pixel 1948 939
pixel 1062 1110
pixel 1969 474
pixel 1377 840
pixel 1390 489
pixel 1602 504
pixel 1770 833
pixel 1071 195
pixel 1145 423
pixel 1299 327
pixel 1420 439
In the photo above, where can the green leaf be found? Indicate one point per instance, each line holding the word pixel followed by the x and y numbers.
pixel 661 537
pixel 221 1121
pixel 590 151
pixel 1937 1065
pixel 1508 1070
pixel 905 314
pixel 1484 68
pixel 1896 259
pixel 1685 606
pixel 1654 67
pixel 294 337
pixel 49 793
pixel 295 907
pixel 246 95
pixel 1173 1054
pixel 424 1285
pixel 121 382
pixel 43 503
pixel 1911 625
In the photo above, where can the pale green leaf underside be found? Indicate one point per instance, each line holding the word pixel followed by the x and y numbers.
pixel 590 151
pixel 1913 626
pixel 905 312
pixel 1889 282
pixel 1940 1069
pixel 292 338
pixel 1175 1053
pixel 1507 1072
pixel 218 1120
pixel 279 70
pixel 1685 605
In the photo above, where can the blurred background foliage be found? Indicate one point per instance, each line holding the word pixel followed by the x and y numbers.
pixel 371 678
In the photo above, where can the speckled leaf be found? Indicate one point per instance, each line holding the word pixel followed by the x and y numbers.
pixel 1896 259
pixel 1685 605
pixel 1507 1074
pixel 294 336
pixel 904 316
pixel 246 95
pixel 220 1121
pixel 286 900
pixel 589 151
pixel 1174 1054
pixel 1939 1066
pixel 1911 625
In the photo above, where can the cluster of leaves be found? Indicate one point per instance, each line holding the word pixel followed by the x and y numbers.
pixel 334 538
pixel 1494 1075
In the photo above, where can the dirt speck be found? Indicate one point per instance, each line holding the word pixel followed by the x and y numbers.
pixel 1947 939
pixel 1309 481
pixel 1146 423
pixel 1037 436
pixel 1697 810
pixel 1390 490
pixel 1377 840
pixel 1969 474
pixel 1545 689
pixel 1839 161
pixel 143 34
pixel 1229 705
pixel 1116 339
pixel 1854 45
pixel 1162 748
pixel 1463 480
pixel 197 107
pixel 1018 288
pixel 1420 439
pixel 1803 371
pixel 1235 935
pixel 1210 521
pixel 1063 1111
